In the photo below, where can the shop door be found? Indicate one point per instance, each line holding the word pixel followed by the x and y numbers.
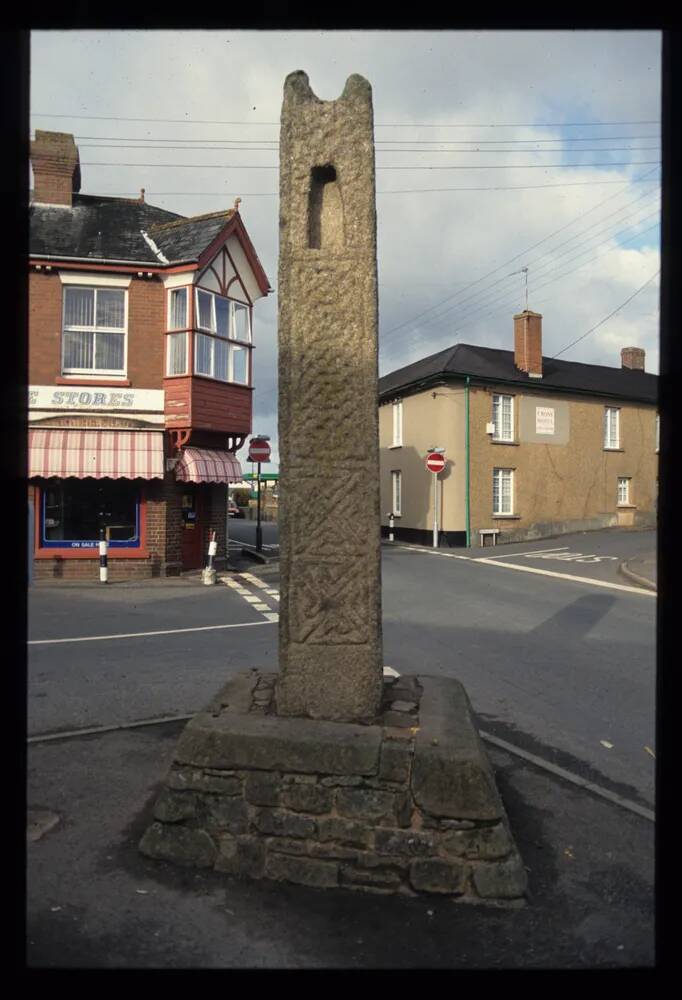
pixel 193 528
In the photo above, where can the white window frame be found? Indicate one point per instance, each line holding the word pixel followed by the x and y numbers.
pixel 611 424
pixel 234 343
pixel 171 293
pixel 497 474
pixel 396 492
pixel 94 329
pixel 498 402
pixel 623 493
pixel 397 410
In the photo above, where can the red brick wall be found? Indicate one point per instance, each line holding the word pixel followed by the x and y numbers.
pixel 528 342
pixel 145 330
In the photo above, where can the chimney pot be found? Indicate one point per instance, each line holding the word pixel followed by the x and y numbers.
pixel 528 342
pixel 56 168
pixel 632 358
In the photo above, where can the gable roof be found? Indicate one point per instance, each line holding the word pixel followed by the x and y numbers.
pixel 488 364
pixel 131 231
pixel 96 227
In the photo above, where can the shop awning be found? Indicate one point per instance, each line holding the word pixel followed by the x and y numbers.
pixel 204 465
pixel 97 454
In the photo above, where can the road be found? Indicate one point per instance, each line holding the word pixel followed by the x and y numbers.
pixel 561 665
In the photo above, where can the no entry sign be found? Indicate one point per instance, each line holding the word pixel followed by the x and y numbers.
pixel 259 450
pixel 435 462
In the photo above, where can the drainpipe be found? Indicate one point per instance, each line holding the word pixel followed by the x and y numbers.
pixel 467 513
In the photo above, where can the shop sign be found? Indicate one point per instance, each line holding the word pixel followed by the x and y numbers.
pixel 544 420
pixel 80 397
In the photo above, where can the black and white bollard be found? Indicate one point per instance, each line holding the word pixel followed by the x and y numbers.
pixel 103 550
pixel 209 574
pixel 390 527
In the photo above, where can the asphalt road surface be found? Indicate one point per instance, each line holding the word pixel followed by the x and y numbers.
pixel 556 654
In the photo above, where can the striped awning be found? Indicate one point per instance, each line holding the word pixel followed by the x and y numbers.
pixel 204 465
pixel 97 454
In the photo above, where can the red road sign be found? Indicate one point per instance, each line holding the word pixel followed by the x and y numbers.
pixel 435 462
pixel 259 450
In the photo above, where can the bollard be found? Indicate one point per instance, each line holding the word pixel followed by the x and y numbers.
pixel 390 527
pixel 209 574
pixel 103 549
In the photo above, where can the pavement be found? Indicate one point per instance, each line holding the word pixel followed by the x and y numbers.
pixel 94 902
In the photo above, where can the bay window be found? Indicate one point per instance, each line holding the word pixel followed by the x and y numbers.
pixel 93 331
pixel 222 339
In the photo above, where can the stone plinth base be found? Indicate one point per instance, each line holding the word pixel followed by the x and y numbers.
pixel 406 805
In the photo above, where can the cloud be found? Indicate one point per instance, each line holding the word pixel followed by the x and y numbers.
pixel 431 245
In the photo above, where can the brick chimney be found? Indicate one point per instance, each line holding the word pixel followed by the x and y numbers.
pixel 56 168
pixel 633 358
pixel 528 342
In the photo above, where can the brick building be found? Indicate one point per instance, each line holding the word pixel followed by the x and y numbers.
pixel 534 446
pixel 140 372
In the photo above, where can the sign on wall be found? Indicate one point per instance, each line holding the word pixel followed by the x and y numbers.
pixel 544 420
pixel 81 397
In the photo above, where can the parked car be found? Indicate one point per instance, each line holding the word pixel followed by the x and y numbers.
pixel 233 510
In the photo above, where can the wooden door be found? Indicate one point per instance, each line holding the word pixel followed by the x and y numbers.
pixel 193 527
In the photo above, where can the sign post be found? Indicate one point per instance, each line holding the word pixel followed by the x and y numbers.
pixel 435 463
pixel 259 451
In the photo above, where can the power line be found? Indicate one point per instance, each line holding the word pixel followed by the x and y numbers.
pixel 206 121
pixel 450 152
pixel 381 142
pixel 507 263
pixel 601 323
pixel 453 334
pixel 548 263
pixel 275 194
pixel 478 166
pixel 474 309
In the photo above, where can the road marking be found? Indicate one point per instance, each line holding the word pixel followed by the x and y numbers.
pixel 272 616
pixel 561 772
pixel 532 569
pixel 568 576
pixel 569 776
pixel 529 552
pixel 262 607
pixel 140 635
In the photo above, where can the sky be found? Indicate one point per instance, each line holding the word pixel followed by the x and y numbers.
pixel 495 151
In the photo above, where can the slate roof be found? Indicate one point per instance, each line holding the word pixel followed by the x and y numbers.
pixel 488 364
pixel 111 229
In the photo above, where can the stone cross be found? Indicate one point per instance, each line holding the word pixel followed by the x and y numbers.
pixel 330 586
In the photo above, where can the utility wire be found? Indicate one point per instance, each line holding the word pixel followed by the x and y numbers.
pixel 273 143
pixel 601 323
pixel 408 149
pixel 511 260
pixel 478 166
pixel 472 312
pixel 548 264
pixel 275 194
pixel 454 334
pixel 199 121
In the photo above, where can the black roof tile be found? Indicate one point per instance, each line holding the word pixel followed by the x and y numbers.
pixel 492 365
pixel 97 227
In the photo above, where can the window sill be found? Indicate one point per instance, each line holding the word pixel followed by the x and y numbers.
pixel 626 506
pixel 392 447
pixel 506 517
pixel 514 444
pixel 613 449
pixel 94 380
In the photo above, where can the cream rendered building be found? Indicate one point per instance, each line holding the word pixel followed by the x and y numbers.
pixel 533 446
